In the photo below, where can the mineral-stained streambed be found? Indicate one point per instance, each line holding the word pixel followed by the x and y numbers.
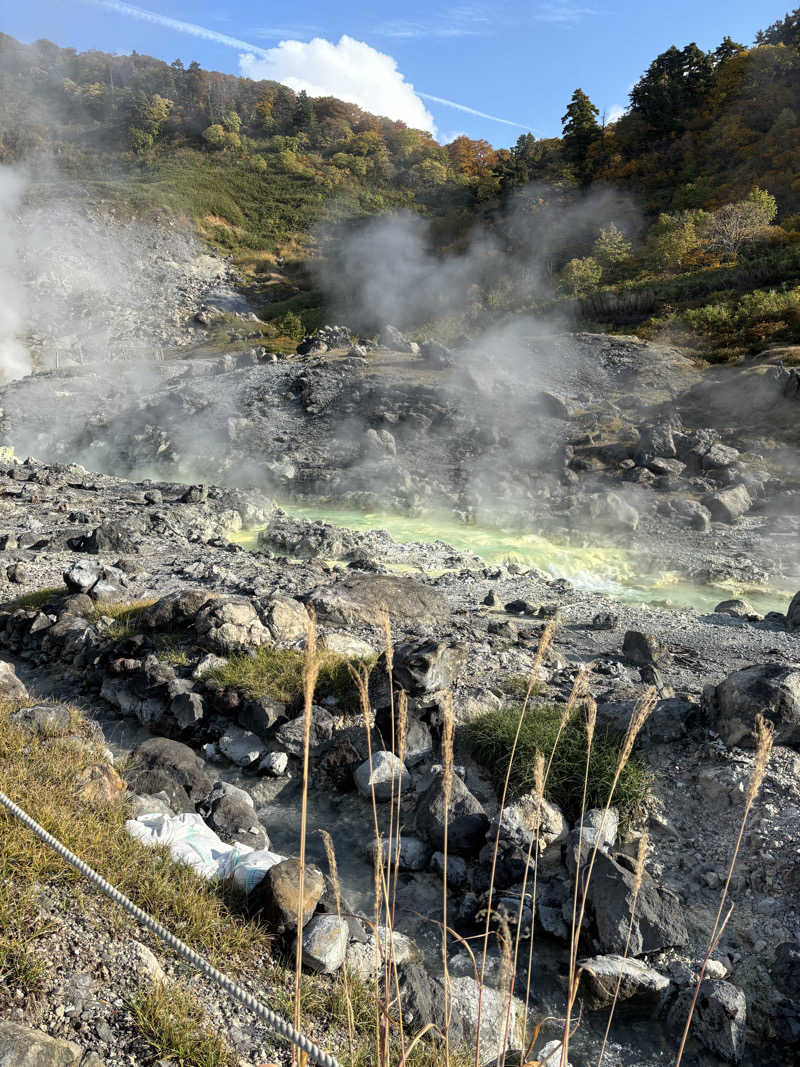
pixel 592 566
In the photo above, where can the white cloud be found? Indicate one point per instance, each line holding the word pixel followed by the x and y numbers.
pixel 350 70
pixel 615 113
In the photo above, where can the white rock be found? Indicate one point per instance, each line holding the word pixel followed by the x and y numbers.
pixel 241 746
pixel 549 1055
pixel 274 763
pixel 345 644
pixel 365 959
pixel 385 773
pixel 325 943
pixel 146 962
pixel 10 686
pixel 464 993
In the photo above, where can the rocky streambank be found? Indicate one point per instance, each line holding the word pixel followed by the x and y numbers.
pixel 127 599
pixel 572 436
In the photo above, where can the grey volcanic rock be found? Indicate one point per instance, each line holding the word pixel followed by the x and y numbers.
pixel 771 689
pixel 719 1018
pixel 383 775
pixel 325 943
pixel 658 921
pixel 278 893
pixel 11 688
pixel 234 820
pixel 290 735
pixel 728 505
pixel 174 759
pixel 229 625
pixel 359 599
pixel 467 819
pixel 175 609
pixel 644 650
pixel 640 986
pixel 419 667
pixel 22 1047
pixel 793 614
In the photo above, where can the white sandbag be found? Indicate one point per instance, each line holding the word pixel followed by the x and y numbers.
pixel 249 870
pixel 189 841
pixel 192 842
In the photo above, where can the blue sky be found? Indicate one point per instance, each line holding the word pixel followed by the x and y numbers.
pixel 511 60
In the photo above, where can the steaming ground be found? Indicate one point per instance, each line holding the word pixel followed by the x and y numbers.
pixel 568 451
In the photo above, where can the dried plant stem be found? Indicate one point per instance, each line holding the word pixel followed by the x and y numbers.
pixel 330 852
pixel 578 687
pixel 641 856
pixel 639 716
pixel 591 722
pixel 447 788
pixel 544 642
pixel 310 674
pixel 764 736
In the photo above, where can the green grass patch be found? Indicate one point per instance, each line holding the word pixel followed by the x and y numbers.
pixel 491 738
pixel 126 616
pixel 41 775
pixel 177 1029
pixel 277 673
pixel 21 926
pixel 38 599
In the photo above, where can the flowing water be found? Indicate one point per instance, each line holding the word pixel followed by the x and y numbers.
pixel 600 568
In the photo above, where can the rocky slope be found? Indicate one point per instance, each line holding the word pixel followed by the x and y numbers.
pixel 98 541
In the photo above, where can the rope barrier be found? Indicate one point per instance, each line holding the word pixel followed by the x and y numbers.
pixel 273 1020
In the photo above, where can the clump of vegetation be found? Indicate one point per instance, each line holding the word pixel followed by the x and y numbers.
pixel 21 926
pixel 177 1029
pixel 277 673
pixel 491 739
pixel 127 617
pixel 37 599
pixel 41 775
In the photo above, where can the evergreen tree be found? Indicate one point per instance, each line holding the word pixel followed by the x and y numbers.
pixel 675 82
pixel 727 49
pixel 784 31
pixel 580 132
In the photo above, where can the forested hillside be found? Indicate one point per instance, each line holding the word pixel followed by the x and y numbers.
pixel 706 153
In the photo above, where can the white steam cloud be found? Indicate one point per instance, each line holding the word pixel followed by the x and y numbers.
pixel 14 359
pixel 350 70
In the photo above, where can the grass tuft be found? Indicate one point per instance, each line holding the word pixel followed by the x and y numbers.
pixel 177 1029
pixel 37 599
pixel 277 673
pixel 491 737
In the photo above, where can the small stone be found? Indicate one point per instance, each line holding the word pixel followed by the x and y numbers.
pixel 274 764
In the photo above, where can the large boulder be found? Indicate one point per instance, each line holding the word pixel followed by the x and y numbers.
pixel 160 757
pixel 658 921
pixel 718 1021
pixel 728 505
pixel 420 667
pixel 291 735
pixel 610 511
pixel 230 624
pixel 499 1024
pixel 639 985
pixel 176 610
pixel 769 689
pixel 793 614
pixel 277 894
pixel 11 688
pixel 235 821
pixel 359 598
pixel 22 1047
pixel 383 775
pixel 391 337
pixel 287 620
pixel 466 819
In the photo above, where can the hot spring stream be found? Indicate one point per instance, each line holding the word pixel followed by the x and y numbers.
pixel 603 569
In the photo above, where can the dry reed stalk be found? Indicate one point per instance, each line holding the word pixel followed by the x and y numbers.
pixel 544 642
pixel 506 978
pixel 310 674
pixel 448 726
pixel 330 852
pixel 639 716
pixel 591 723
pixel 764 737
pixel 641 856
pixel 402 736
pixel 540 777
